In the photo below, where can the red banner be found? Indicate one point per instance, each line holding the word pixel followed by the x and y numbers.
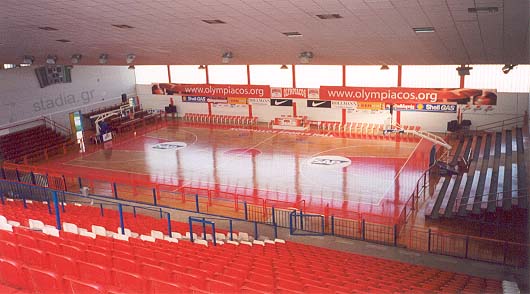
pixel 409 95
pixel 297 93
pixel 245 91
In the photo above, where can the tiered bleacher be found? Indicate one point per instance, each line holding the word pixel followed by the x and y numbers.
pixel 33 143
pixel 41 260
pixel 201 118
pixel 489 182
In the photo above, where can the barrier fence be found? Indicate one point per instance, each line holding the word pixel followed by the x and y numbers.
pixel 300 223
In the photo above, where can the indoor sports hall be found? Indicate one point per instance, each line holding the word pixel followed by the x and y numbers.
pixel 371 146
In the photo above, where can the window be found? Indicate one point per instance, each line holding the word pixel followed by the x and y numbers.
pixel 430 76
pixel 490 76
pixel 272 75
pixel 228 74
pixel 147 74
pixel 187 74
pixel 371 76
pixel 314 76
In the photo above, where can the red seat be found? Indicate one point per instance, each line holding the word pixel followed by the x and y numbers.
pixel 129 282
pixel 98 258
pixel 73 285
pixel 8 250
pixel 49 246
pixel 62 265
pixel 11 274
pixel 27 241
pixel 31 256
pixel 217 286
pixel 73 252
pixel 164 287
pixel 93 272
pixel 8 236
pixel 124 264
pixel 157 272
pixel 42 281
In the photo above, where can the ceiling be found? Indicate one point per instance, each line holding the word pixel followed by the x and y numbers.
pixel 172 31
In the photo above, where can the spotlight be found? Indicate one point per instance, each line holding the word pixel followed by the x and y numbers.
pixel 227 56
pixel 131 66
pixel 51 59
pixel 28 59
pixel 305 57
pixel 508 67
pixel 76 58
pixel 103 58
pixel 384 67
pixel 130 58
pixel 463 70
pixel 284 66
pixel 201 67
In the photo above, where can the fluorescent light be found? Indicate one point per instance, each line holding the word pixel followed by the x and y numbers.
pixel 284 66
pixel 103 58
pixel 384 67
pixel 51 59
pixel 424 30
pixel 227 56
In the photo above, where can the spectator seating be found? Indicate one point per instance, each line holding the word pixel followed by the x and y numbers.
pixel 492 184
pixel 33 144
pixel 71 263
pixel 219 119
pixel 356 128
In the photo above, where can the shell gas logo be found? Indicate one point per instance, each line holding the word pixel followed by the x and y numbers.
pixel 420 106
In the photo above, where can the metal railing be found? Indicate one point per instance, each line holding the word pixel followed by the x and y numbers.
pixel 510 122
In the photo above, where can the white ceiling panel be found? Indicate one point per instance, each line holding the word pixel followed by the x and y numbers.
pixel 172 31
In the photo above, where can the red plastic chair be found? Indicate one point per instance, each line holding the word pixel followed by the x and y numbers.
pixel 125 264
pixel 93 272
pixel 98 258
pixel 129 282
pixel 32 256
pixel 27 241
pixel 62 265
pixel 42 281
pixel 11 274
pixel 163 287
pixel 216 286
pixel 73 285
pixel 49 246
pixel 157 272
pixel 8 250
pixel 73 252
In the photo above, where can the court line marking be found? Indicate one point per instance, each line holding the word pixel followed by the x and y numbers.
pixel 355 193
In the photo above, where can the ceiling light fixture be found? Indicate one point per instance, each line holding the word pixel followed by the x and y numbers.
pixel 131 66
pixel 213 21
pixel 48 29
pixel 103 58
pixel 423 30
pixel 201 67
pixel 384 67
pixel 463 70
pixel 227 56
pixel 123 26
pixel 487 9
pixel 329 16
pixel 284 66
pixel 76 58
pixel 28 59
pixel 51 59
pixel 507 68
pixel 305 57
pixel 293 34
pixel 130 58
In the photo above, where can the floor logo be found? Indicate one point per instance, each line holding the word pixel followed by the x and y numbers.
pixel 170 146
pixel 330 161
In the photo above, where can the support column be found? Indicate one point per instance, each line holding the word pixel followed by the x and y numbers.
pixel 294 76
pixel 343 116
pixel 209 108
pixel 250 110
pixel 294 109
pixel 399 76
pixel 207 74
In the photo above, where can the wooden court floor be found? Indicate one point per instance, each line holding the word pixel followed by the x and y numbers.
pixel 364 173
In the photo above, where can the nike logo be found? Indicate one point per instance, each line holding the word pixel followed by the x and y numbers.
pixel 277 102
pixel 317 104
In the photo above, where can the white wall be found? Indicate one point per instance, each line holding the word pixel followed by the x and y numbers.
pixel 22 98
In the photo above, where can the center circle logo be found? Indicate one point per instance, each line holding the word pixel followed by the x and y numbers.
pixel 330 161
pixel 170 146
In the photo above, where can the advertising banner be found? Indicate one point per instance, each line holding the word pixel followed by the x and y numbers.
pixel 237 100
pixel 409 95
pixel 259 101
pixel 195 99
pixel 244 91
pixel 319 103
pixel 344 104
pixel 297 93
pixel 445 108
pixel 281 102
